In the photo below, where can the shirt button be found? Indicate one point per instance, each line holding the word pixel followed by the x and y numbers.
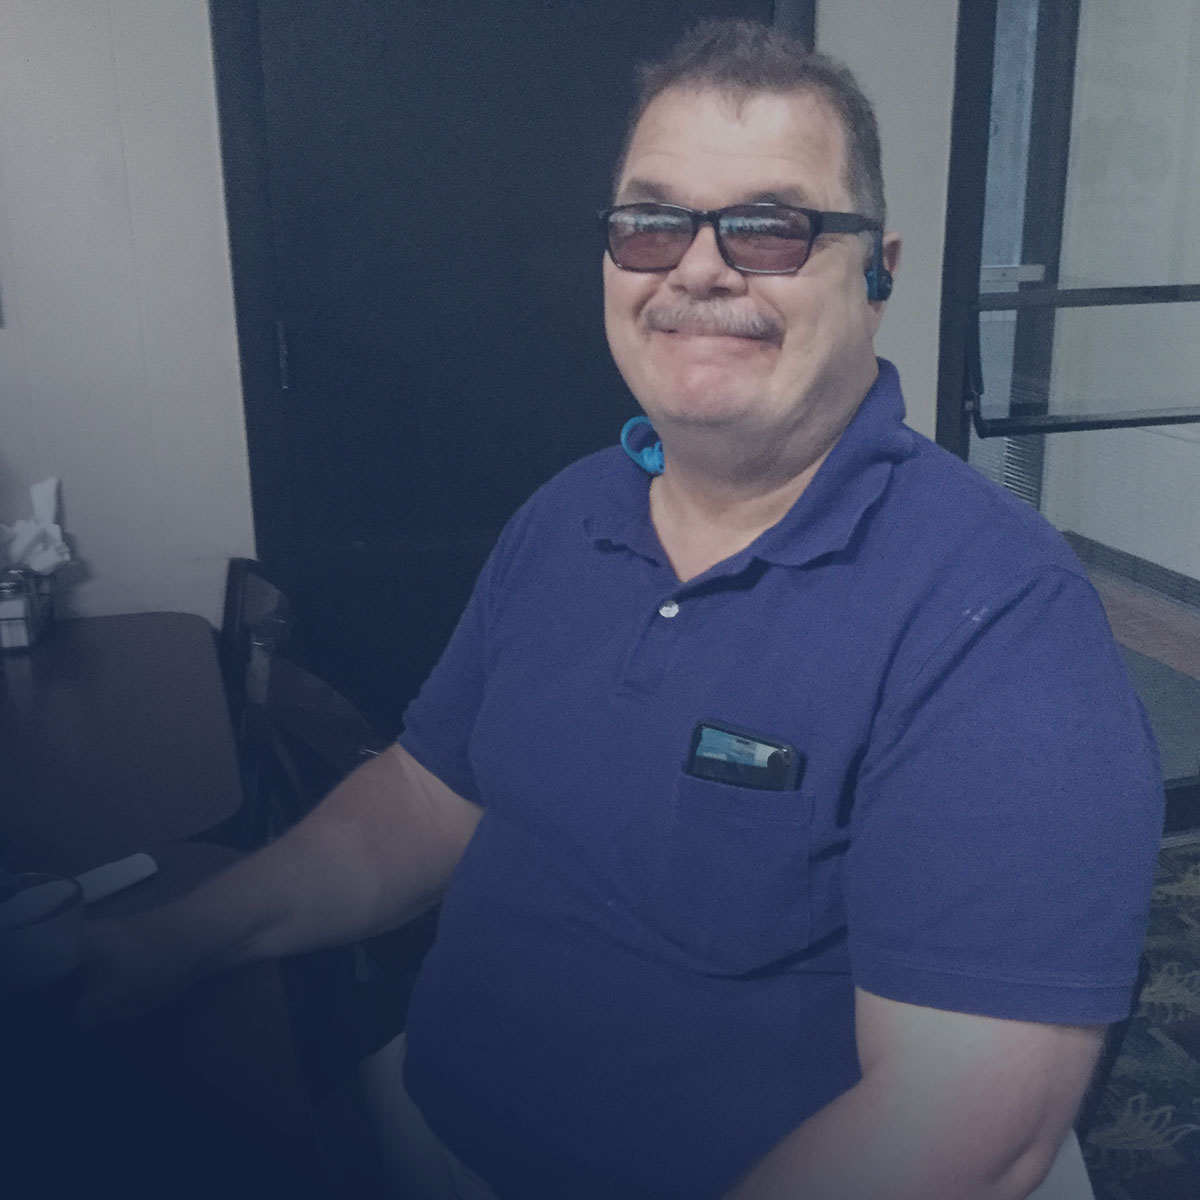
pixel 668 609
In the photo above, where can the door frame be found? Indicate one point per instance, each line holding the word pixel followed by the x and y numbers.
pixel 242 124
pixel 960 383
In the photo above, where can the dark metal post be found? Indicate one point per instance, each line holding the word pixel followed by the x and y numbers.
pixel 969 132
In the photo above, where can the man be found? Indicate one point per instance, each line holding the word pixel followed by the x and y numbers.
pixel 793 816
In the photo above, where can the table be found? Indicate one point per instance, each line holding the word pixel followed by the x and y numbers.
pixel 201 1097
pixel 114 737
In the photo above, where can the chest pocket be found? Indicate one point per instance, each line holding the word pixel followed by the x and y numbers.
pixel 728 880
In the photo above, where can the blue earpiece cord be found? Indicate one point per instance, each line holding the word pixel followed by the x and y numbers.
pixel 649 458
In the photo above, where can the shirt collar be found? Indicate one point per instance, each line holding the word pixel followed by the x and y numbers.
pixel 848 483
pixel 621 512
pixel 822 521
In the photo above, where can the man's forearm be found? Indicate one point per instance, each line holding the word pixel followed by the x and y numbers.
pixel 377 851
pixel 871 1142
pixel 950 1105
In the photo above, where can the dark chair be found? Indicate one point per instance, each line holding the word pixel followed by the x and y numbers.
pixel 298 737
pixel 257 623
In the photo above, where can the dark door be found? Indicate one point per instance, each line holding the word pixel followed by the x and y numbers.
pixel 432 348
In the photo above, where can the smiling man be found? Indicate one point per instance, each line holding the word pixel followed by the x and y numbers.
pixel 793 817
pixel 748 340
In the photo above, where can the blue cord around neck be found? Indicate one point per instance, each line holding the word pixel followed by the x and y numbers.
pixel 649 458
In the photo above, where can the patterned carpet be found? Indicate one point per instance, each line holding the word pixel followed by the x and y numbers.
pixel 1144 1142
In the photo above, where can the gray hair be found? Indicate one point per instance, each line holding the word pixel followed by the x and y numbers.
pixel 742 59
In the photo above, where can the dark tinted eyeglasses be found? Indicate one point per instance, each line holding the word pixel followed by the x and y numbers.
pixel 759 239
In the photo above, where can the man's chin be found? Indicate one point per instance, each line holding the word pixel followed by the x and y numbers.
pixel 699 412
pixel 710 397
pixel 707 418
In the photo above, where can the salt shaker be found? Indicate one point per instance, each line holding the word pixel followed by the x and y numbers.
pixel 18 610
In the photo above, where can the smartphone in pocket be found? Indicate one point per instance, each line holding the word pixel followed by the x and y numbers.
pixel 744 759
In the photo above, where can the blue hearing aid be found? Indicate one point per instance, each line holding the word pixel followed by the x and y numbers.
pixel 649 458
pixel 879 278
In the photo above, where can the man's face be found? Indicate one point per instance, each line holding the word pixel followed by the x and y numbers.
pixel 703 345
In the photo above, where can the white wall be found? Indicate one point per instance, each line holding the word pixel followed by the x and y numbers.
pixel 902 52
pixel 1132 217
pixel 118 355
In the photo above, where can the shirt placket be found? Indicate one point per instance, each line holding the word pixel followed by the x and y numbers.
pixel 655 650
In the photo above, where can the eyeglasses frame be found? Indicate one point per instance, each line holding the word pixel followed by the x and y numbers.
pixel 821 222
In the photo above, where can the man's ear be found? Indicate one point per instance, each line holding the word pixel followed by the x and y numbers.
pixel 891 252
pixel 881 270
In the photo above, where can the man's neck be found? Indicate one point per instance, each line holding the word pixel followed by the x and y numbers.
pixel 721 488
pixel 702 521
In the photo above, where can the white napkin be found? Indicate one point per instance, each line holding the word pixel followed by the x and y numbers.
pixel 37 543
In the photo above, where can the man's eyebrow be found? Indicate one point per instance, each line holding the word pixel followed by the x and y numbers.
pixel 785 195
pixel 634 191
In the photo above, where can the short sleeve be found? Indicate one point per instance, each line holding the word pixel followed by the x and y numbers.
pixel 1007 816
pixel 438 723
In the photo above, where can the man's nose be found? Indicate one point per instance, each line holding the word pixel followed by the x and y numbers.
pixel 702 270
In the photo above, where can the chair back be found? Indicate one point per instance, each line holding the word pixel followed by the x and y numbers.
pixel 303 736
pixel 257 624
pixel 298 736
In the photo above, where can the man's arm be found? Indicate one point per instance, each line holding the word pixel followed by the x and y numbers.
pixel 950 1105
pixel 376 851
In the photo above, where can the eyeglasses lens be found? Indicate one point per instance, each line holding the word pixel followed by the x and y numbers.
pixel 654 238
pixel 646 238
pixel 758 241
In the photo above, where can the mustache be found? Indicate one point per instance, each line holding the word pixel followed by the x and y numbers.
pixel 712 318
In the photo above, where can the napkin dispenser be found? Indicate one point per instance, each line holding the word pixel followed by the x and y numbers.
pixel 25 607
pixel 30 553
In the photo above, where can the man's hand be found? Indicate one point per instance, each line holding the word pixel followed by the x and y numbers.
pixel 950 1105
pixel 130 965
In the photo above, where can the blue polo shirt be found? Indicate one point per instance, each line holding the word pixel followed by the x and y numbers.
pixel 642 979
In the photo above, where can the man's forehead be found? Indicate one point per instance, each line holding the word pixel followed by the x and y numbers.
pixel 793 128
